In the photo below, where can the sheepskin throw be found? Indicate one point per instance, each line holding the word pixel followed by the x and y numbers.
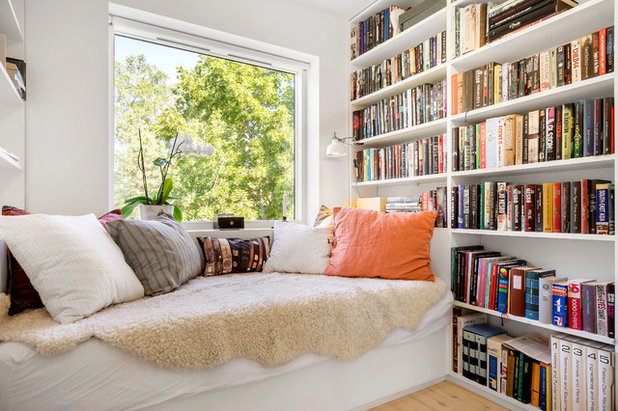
pixel 269 317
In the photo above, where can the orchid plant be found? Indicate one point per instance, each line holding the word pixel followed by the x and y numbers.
pixel 180 145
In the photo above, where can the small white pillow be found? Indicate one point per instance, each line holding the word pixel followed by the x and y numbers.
pixel 72 262
pixel 298 248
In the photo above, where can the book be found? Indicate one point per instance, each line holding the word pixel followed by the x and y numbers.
pixel 606 383
pixel 517 291
pixel 601 316
pixel 565 370
pixel 574 301
pixel 533 292
pixel 578 373
pixel 559 303
pixel 536 384
pixel 548 197
pixel 611 307
pixel 556 384
pixel 494 361
pixel 545 297
pixel 589 309
pixel 463 322
pixel 481 332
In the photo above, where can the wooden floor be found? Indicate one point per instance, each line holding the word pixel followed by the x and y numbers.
pixel 443 396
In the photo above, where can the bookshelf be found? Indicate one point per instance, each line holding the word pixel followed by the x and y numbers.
pixel 12 120
pixel 571 255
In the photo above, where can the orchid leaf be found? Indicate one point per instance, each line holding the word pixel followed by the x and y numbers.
pixel 168 185
pixel 177 213
pixel 135 199
pixel 128 209
pixel 160 161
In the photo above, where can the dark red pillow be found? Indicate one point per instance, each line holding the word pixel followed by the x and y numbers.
pixel 22 293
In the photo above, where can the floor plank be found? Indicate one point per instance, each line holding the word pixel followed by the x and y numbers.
pixel 443 396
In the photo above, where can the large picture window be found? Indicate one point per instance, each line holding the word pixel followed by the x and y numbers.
pixel 247 112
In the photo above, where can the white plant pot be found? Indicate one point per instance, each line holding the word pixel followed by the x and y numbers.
pixel 150 212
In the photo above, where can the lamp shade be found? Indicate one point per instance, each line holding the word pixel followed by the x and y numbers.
pixel 335 148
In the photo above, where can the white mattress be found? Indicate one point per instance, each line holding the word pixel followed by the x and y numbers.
pixel 96 375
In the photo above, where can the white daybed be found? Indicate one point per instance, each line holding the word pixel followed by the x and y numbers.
pixel 96 375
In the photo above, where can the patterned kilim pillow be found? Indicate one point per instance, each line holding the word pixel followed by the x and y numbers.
pixel 323 214
pixel 234 255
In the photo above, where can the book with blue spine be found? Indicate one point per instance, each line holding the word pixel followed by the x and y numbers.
pixel 460 207
pixel 503 284
pixel 544 393
pixel 602 202
pixel 532 291
pixel 559 303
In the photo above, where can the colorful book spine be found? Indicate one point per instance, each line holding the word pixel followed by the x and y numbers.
pixel 559 303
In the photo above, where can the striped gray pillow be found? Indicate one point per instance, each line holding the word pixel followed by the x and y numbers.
pixel 160 252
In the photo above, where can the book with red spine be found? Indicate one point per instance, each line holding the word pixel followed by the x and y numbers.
pixel 529 205
pixel 440 154
pixel 425 202
pixel 602 52
pixel 557 208
pixel 454 96
pixel 483 141
pixel 574 301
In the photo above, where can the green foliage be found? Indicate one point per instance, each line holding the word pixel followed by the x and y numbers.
pixel 245 112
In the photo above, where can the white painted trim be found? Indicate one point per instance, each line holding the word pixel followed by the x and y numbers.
pixel 305 67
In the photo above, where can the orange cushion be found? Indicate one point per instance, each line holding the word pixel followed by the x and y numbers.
pixel 387 245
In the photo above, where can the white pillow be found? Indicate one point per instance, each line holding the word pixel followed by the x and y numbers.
pixel 298 248
pixel 72 262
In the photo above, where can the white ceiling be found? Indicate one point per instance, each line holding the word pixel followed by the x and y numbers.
pixel 344 8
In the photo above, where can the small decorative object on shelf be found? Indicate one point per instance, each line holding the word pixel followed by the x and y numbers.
pixel 151 206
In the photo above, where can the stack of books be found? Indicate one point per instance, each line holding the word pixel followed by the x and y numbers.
pixel 418 158
pixel 375 30
pixel 513 15
pixel 584 128
pixel 404 204
pixel 428 54
pixel 416 106
pixel 559 372
pixel 580 59
pixel 511 285
pixel 477 24
pixel 585 206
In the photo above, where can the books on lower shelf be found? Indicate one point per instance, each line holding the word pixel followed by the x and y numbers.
pixel 584 128
pixel 551 373
pixel 413 61
pixel 511 285
pixel 413 107
pixel 493 83
pixel 417 158
pixel 585 206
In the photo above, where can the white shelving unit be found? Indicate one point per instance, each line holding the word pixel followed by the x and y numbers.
pixel 12 108
pixel 572 255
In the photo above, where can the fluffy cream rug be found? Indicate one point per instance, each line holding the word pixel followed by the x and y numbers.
pixel 271 318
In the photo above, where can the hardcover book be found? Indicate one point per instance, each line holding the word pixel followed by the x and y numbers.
pixel 575 303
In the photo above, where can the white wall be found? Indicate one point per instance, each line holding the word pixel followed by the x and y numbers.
pixel 67 114
pixel 67 108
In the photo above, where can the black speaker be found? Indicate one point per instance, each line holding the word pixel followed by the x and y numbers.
pixel 230 223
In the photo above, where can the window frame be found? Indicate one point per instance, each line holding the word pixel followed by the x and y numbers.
pixel 234 48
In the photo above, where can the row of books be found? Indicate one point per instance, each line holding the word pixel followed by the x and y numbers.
pixel 477 24
pixel 557 373
pixel 580 59
pixel 585 206
pixel 416 106
pixel 584 128
pixel 428 54
pixel 510 285
pixel 433 200
pixel 417 158
pixel 375 30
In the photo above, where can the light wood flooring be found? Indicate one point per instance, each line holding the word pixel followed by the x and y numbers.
pixel 443 396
